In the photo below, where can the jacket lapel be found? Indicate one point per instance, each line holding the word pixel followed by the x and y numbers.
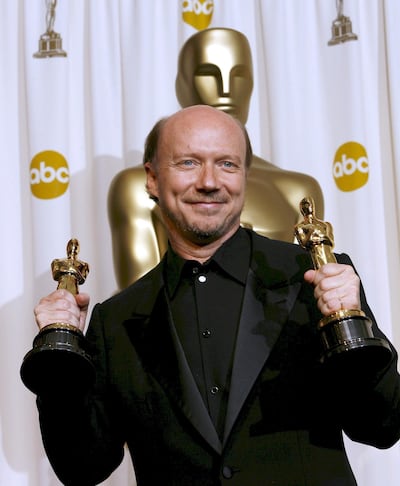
pixel 156 341
pixel 265 311
pixel 192 402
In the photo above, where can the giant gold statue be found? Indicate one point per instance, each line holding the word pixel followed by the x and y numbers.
pixel 214 68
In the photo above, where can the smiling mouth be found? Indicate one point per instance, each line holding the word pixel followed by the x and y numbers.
pixel 206 206
pixel 207 203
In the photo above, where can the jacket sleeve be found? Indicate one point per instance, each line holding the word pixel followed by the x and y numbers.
pixel 368 394
pixel 81 432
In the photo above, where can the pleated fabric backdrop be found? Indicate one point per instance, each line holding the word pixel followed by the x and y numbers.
pixel 69 124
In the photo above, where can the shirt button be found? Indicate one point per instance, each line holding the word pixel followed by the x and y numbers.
pixel 202 278
pixel 227 472
pixel 214 390
pixel 195 270
pixel 206 333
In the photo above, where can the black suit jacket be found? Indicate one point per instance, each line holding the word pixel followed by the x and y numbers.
pixel 286 410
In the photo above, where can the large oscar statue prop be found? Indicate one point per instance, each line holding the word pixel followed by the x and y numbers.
pixel 346 333
pixel 59 358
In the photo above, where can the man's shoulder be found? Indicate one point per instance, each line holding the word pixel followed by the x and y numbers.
pixel 266 243
pixel 279 256
pixel 140 293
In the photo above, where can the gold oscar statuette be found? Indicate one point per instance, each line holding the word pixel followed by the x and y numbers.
pixel 59 357
pixel 346 332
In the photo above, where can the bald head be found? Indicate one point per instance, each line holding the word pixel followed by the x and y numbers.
pixel 204 115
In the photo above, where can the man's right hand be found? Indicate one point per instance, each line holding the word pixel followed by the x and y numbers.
pixel 62 306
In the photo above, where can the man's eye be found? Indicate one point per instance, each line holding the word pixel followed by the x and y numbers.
pixel 188 163
pixel 227 164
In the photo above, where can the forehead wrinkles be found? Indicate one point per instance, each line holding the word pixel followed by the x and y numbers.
pixel 205 134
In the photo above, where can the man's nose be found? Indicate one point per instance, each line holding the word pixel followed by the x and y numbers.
pixel 208 177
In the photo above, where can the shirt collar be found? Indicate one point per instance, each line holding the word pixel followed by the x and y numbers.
pixel 233 257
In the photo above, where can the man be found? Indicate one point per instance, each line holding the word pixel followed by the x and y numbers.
pixel 209 366
pixel 215 69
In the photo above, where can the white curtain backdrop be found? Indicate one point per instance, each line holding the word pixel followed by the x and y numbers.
pixel 87 116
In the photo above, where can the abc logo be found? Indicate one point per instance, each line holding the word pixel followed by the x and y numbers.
pixel 350 166
pixel 197 13
pixel 49 175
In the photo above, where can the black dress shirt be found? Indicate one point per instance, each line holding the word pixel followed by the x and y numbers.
pixel 205 301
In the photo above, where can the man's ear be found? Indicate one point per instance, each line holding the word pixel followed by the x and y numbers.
pixel 151 181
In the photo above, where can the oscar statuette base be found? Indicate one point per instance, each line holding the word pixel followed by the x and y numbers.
pixel 347 336
pixel 58 361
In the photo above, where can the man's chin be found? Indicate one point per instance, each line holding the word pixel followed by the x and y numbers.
pixel 204 235
pixel 204 230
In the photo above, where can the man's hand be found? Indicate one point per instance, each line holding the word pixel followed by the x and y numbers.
pixel 62 306
pixel 336 287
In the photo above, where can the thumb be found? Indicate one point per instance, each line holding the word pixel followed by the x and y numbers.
pixel 83 302
pixel 309 276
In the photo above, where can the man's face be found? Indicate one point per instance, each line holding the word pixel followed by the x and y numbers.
pixel 199 176
pixel 215 69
